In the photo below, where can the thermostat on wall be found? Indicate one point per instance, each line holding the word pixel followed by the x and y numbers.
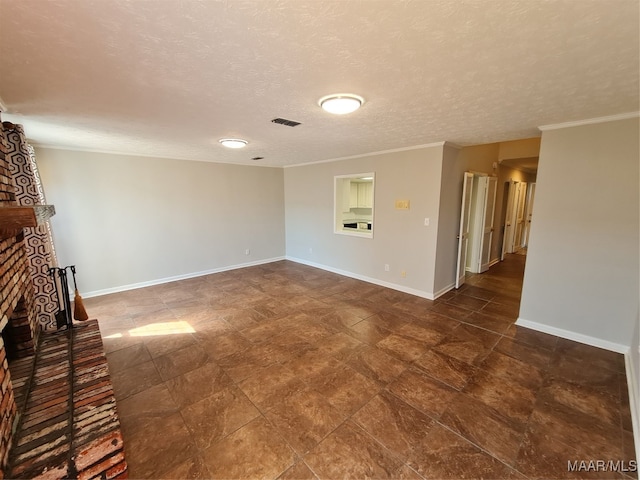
pixel 402 204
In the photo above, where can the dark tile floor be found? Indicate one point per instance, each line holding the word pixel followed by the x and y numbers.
pixel 286 371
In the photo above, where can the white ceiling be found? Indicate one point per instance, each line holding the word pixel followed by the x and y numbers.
pixel 170 77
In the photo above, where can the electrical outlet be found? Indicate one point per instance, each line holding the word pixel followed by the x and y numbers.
pixel 247 252
pixel 386 267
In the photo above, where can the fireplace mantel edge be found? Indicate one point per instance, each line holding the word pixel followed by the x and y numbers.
pixel 14 218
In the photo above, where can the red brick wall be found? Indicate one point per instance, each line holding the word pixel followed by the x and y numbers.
pixel 10 262
pixel 17 319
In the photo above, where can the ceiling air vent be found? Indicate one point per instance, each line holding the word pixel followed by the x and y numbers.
pixel 284 121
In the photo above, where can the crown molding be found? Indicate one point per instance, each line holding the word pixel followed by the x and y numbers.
pixel 589 121
pixel 452 145
pixel 370 154
pixel 141 155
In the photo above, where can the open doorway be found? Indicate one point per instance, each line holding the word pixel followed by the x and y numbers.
pixel 517 216
pixel 476 224
pixel 496 216
pixel 514 166
pixel 517 180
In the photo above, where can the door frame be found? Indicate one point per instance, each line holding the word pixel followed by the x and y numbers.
pixel 463 234
pixel 531 193
pixel 507 234
pixel 489 213
pixel 520 216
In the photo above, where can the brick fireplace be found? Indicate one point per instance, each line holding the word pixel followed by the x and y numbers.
pixel 58 410
pixel 18 320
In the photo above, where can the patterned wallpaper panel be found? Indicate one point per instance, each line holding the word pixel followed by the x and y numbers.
pixel 37 239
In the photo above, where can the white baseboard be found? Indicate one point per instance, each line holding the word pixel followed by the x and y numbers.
pixel 634 399
pixel 375 281
pixel 494 261
pixel 576 337
pixel 159 281
pixel 632 376
pixel 444 290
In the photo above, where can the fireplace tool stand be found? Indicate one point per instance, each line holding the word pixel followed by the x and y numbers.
pixel 63 317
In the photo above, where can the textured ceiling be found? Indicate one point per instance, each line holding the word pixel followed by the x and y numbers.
pixel 170 77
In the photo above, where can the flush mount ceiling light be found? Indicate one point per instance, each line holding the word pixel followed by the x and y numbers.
pixel 233 142
pixel 341 103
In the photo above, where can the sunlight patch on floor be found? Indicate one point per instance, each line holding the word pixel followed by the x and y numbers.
pixel 154 329
pixel 115 335
pixel 163 328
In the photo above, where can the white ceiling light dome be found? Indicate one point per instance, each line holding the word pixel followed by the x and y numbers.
pixel 341 103
pixel 233 142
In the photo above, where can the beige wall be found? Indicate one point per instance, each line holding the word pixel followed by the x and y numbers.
pixel 633 380
pixel 400 238
pixel 525 148
pixel 129 221
pixel 581 278
pixel 449 225
pixel 434 187
pixel 479 158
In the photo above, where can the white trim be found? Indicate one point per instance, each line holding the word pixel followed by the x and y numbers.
pixel 494 261
pixel 382 152
pixel 634 399
pixel 375 281
pixel 134 286
pixel 577 337
pixel 452 145
pixel 145 155
pixel 3 106
pixel 444 290
pixel 355 233
pixel 589 121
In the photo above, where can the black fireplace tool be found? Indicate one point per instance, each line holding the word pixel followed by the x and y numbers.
pixel 63 316
pixel 62 272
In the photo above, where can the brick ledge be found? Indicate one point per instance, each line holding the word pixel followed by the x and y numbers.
pixel 59 438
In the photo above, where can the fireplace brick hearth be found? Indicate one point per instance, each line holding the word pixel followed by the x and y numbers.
pixel 70 427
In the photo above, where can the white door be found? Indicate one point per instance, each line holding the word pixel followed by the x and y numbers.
pixel 487 233
pixel 507 239
pixel 527 226
pixel 463 236
pixel 521 200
